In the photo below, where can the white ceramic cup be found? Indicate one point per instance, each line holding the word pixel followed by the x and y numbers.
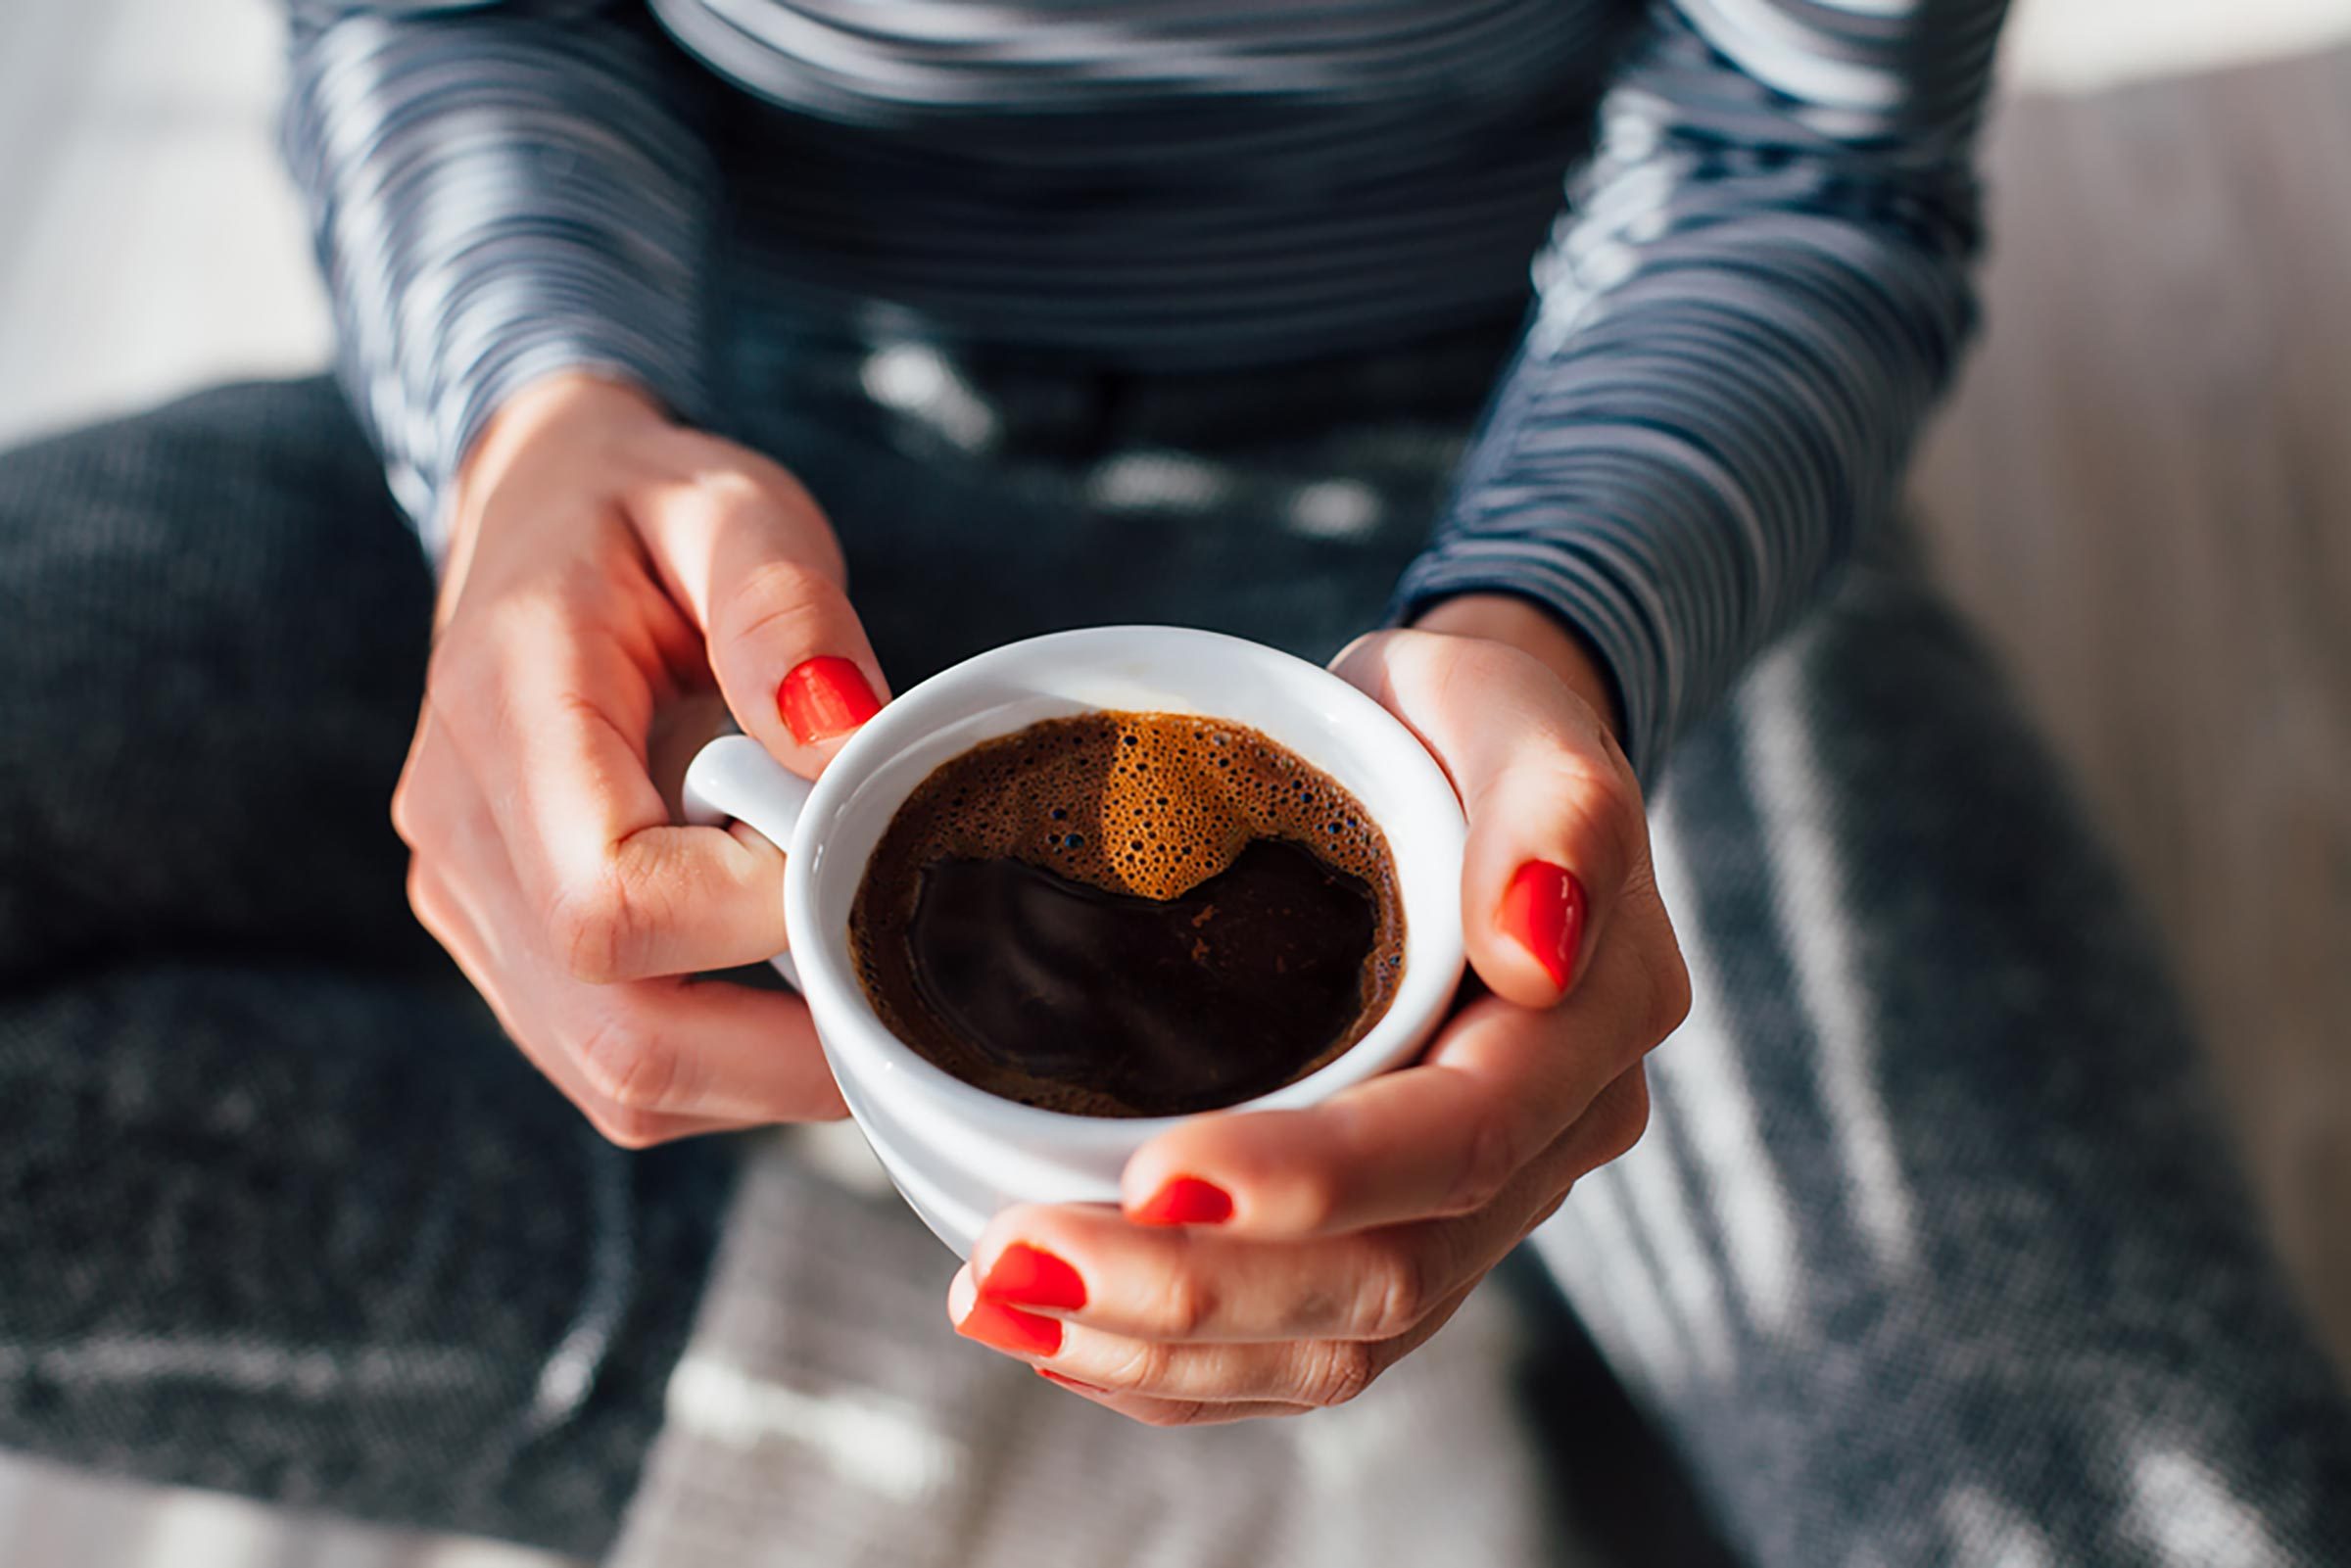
pixel 956 1152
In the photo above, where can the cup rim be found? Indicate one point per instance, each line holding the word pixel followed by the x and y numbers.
pixel 1414 784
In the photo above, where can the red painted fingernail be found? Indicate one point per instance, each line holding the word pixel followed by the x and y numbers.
pixel 825 696
pixel 1184 1201
pixel 1543 908
pixel 1008 1328
pixel 1030 1276
pixel 1051 1376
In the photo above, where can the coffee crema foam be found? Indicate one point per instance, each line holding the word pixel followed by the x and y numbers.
pixel 1146 804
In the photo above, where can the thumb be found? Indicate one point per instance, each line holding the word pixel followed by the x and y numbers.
pixel 1556 827
pixel 747 555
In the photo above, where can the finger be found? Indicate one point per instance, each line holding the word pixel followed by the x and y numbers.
pixel 548 714
pixel 1173 1413
pixel 1443 1137
pixel 631 1055
pixel 1609 1130
pixel 1304 1372
pixel 1556 827
pixel 1082 1264
pixel 443 913
pixel 441 819
pixel 670 1047
pixel 748 553
pixel 701 1048
pixel 1086 1267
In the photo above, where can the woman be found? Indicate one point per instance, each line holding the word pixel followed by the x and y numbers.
pixel 791 348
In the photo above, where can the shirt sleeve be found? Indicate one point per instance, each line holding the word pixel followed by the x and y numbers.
pixel 1760 286
pixel 497 191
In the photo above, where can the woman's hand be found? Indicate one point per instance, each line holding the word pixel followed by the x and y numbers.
pixel 1269 1263
pixel 605 565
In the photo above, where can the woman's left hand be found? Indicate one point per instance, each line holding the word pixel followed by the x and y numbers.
pixel 1269 1263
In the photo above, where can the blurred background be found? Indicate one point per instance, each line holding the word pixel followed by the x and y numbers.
pixel 2142 491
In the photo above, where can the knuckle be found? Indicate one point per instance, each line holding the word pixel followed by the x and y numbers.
pixel 1606 810
pixel 404 820
pixel 1394 1295
pixel 415 817
pixel 593 930
pixel 1669 993
pixel 1316 1198
pixel 623 1127
pixel 773 598
pixel 1492 1159
pixel 1335 1371
pixel 1188 1305
pixel 635 1069
pixel 1142 1367
pixel 1628 1116
pixel 1609 793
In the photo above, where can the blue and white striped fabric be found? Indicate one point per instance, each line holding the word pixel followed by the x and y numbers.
pixel 1758 282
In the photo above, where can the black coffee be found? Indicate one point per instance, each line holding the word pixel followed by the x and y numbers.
pixel 1130 914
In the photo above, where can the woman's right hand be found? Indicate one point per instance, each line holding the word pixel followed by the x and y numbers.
pixel 605 565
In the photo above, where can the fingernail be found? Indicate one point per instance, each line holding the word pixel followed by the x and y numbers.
pixel 1030 1276
pixel 1543 908
pixel 1008 1328
pixel 1051 1376
pixel 825 696
pixel 1184 1201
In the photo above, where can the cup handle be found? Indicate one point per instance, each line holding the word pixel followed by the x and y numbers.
pixel 733 779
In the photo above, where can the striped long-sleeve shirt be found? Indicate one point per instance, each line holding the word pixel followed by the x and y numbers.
pixel 1757 282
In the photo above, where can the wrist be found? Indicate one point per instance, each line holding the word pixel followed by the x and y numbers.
pixel 562 400
pixel 1536 631
pixel 564 406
